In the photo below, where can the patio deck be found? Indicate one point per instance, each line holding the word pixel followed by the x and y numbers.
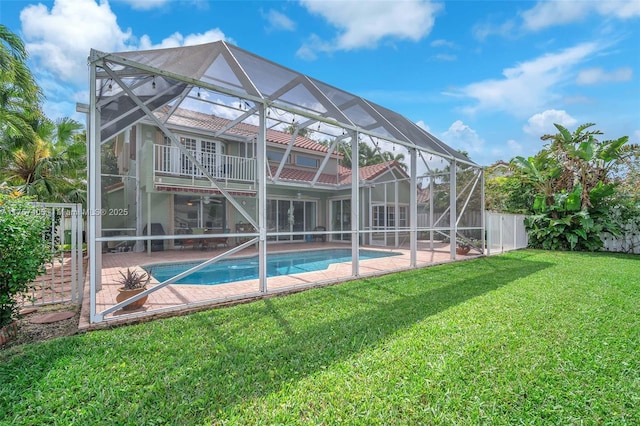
pixel 175 299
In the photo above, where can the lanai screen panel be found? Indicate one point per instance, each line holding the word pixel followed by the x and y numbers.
pixel 119 111
pixel 243 73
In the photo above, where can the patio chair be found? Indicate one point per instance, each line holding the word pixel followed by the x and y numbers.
pixel 215 242
pixel 322 237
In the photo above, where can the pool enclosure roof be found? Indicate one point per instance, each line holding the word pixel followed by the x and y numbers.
pixel 207 76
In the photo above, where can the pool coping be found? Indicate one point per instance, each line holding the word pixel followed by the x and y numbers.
pixel 179 299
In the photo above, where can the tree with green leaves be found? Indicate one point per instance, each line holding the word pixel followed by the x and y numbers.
pixel 23 250
pixel 573 182
pixel 38 157
pixel 20 96
pixel 52 165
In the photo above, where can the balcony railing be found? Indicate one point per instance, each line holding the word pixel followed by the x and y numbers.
pixel 169 160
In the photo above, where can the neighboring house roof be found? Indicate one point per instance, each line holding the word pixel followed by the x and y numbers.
pixel 423 195
pixel 499 168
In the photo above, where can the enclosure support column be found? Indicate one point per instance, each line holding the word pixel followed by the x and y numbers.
pixel 413 207
pixel 139 226
pixel 431 212
pixel 94 189
pixel 262 198
pixel 396 207
pixel 484 216
pixel 149 223
pixel 453 208
pixel 355 206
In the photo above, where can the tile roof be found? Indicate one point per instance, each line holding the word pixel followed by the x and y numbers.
pixel 200 120
pixel 297 175
pixel 370 172
pixel 189 118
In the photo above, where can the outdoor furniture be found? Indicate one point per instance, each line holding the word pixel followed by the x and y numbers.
pixel 156 229
pixel 318 237
pixel 242 228
pixel 181 243
pixel 216 241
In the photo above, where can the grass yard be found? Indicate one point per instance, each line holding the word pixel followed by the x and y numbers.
pixel 529 337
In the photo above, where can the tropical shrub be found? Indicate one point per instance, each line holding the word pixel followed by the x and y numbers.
pixel 574 189
pixel 508 194
pixel 564 225
pixel 23 250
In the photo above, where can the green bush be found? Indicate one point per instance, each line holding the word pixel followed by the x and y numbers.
pixel 23 250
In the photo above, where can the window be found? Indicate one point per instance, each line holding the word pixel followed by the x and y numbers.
pixel 189 143
pixel 391 217
pixel 247 149
pixel 402 216
pixel 276 156
pixel 303 160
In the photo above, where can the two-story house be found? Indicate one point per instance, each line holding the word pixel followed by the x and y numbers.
pixel 182 200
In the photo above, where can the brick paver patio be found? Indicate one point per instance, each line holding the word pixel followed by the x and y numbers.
pixel 176 298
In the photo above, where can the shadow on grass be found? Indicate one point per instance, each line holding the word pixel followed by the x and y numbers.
pixel 209 362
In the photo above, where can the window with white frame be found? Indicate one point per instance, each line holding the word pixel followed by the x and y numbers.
pixel 276 156
pixel 391 217
pixel 306 161
pixel 402 217
pixel 247 149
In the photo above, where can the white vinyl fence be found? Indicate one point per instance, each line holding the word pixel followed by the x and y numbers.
pixel 64 276
pixel 505 232
pixel 628 242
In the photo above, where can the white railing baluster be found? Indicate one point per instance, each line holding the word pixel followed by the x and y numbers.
pixel 168 160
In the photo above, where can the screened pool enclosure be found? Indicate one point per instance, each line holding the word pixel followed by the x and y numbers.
pixel 209 152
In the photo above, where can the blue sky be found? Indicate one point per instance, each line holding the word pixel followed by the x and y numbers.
pixel 487 77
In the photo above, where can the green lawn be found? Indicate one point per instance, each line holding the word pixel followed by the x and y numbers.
pixel 528 337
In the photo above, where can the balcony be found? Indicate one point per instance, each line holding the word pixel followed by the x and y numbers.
pixel 170 161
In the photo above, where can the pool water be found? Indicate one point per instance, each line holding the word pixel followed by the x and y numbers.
pixel 246 268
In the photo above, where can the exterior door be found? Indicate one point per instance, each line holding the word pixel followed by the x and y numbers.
pixel 378 223
pixel 291 216
pixel 206 152
pixel 341 219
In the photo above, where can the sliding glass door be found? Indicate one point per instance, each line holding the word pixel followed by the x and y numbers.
pixel 341 219
pixel 291 216
pixel 199 212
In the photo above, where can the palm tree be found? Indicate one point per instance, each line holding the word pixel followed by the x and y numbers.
pixel 52 165
pixel 397 158
pixel 19 94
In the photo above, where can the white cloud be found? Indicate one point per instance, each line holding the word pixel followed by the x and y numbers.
pixel 599 75
pixel 424 125
pixel 365 24
pixel 460 136
pixel 515 148
pixel 528 86
pixel 177 39
pixel 146 4
pixel 60 40
pixel 279 21
pixel 550 13
pixel 314 44
pixel 504 152
pixel 482 31
pixel 443 43
pixel 542 123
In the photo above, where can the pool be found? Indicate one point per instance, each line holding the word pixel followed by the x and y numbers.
pixel 246 268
